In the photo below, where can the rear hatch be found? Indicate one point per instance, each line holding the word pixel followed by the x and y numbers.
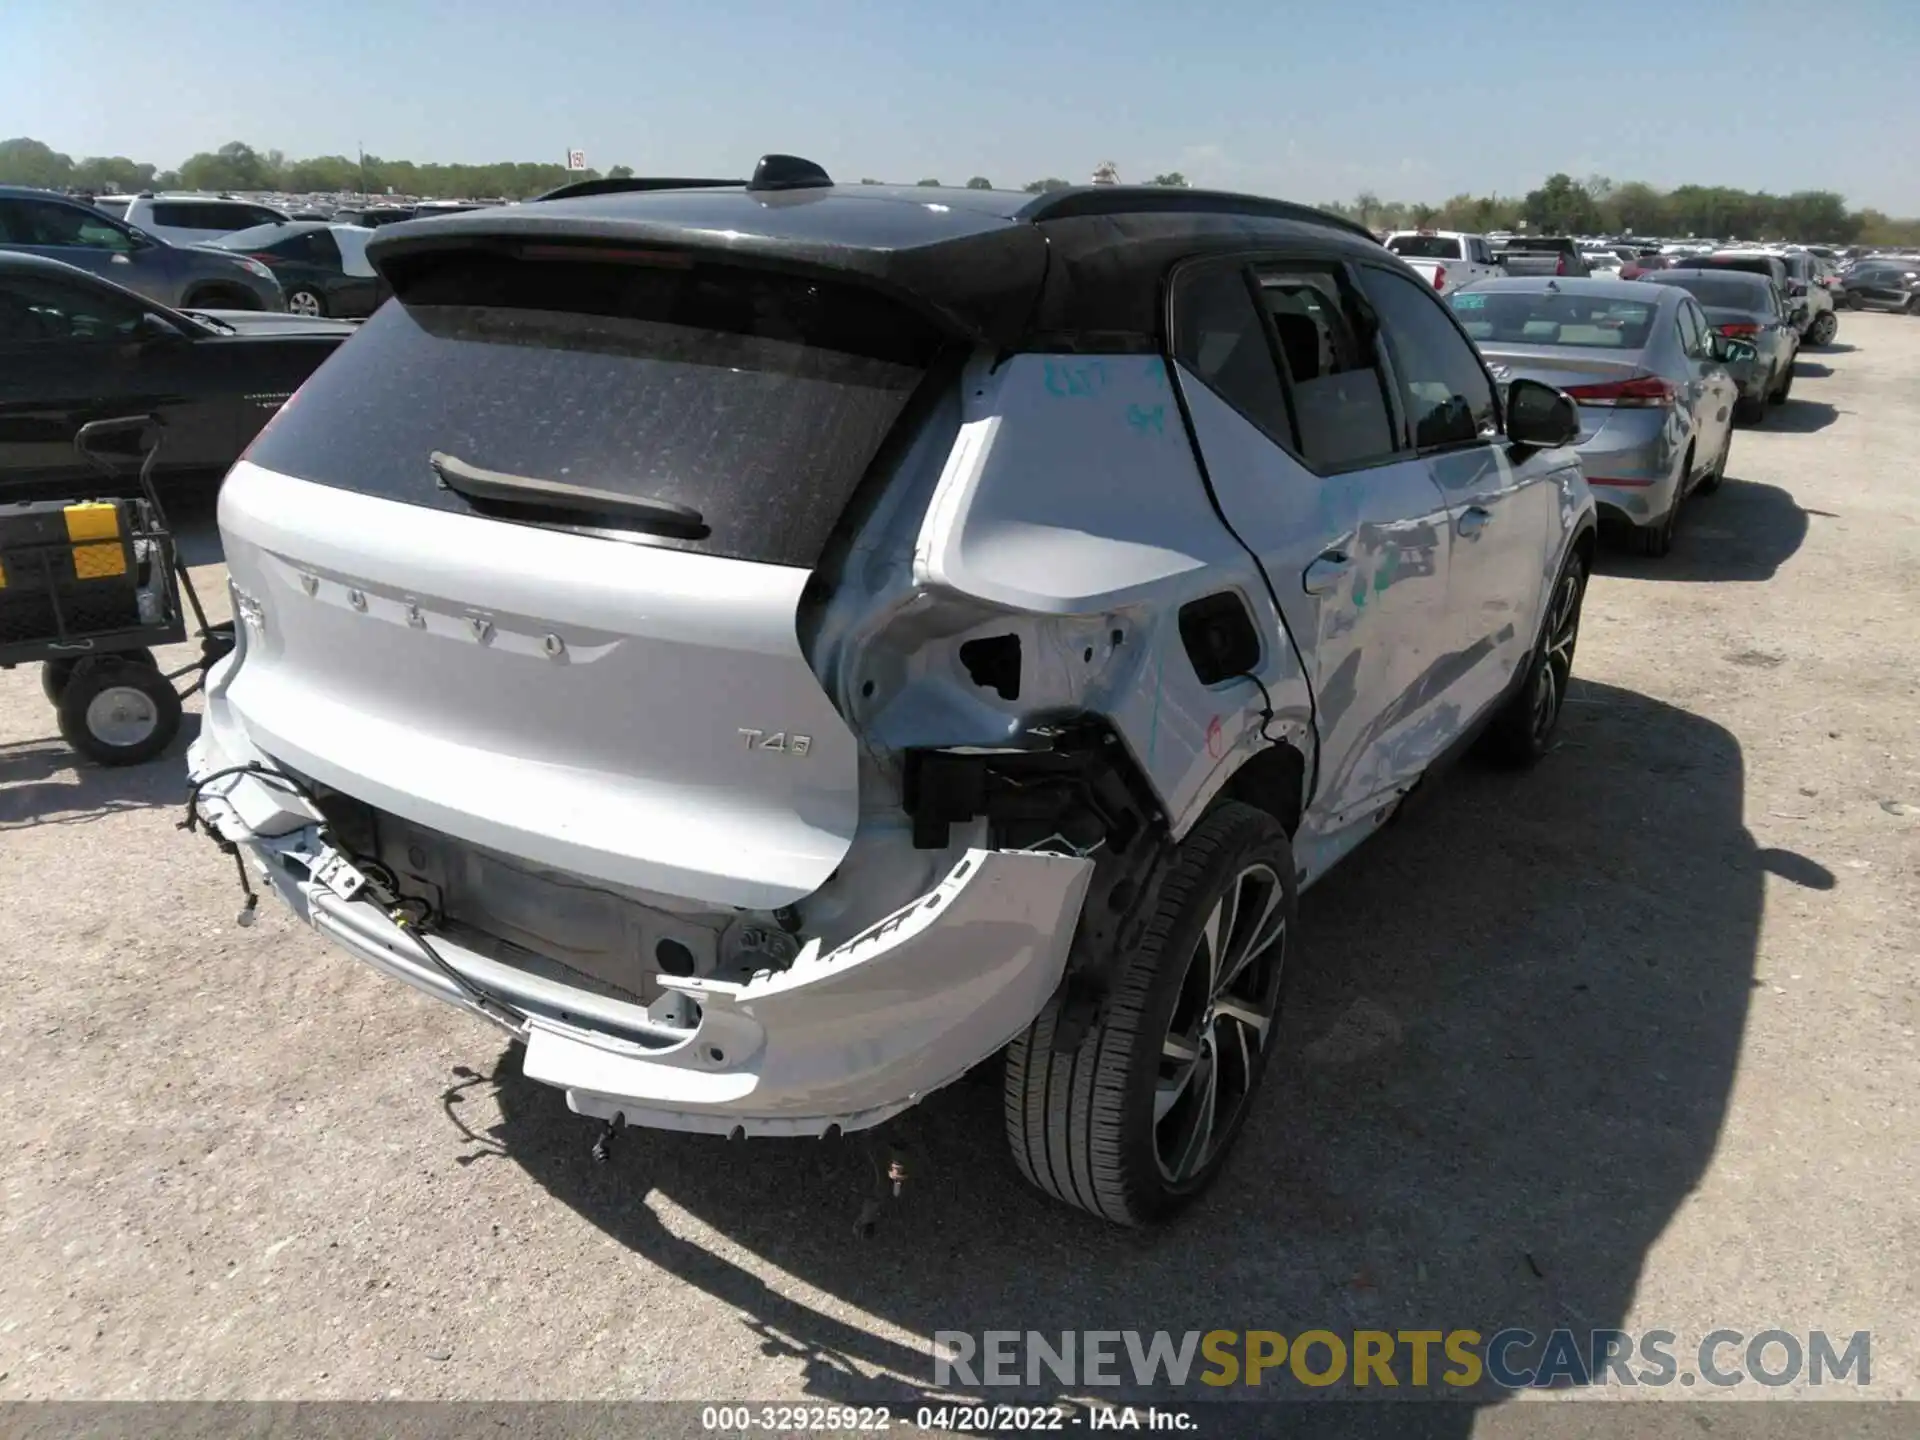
pixel 522 562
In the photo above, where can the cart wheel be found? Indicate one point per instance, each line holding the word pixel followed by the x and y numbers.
pixel 119 712
pixel 54 674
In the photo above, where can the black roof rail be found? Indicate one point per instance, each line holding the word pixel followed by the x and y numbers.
pixel 1082 200
pixel 607 185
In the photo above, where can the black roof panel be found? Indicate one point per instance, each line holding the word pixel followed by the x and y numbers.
pixel 994 264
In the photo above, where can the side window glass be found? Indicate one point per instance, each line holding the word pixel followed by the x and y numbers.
pixel 36 309
pixel 69 225
pixel 1689 334
pixel 1444 387
pixel 1338 394
pixel 1702 336
pixel 1218 336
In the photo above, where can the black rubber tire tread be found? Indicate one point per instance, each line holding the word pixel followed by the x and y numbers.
pixel 97 675
pixel 1064 1112
pixel 1710 482
pixel 1509 739
pixel 54 674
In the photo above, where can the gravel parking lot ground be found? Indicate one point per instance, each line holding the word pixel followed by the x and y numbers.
pixel 1629 1041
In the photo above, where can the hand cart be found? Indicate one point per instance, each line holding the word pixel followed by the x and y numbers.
pixel 88 587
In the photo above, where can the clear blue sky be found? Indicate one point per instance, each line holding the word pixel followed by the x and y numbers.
pixel 1409 98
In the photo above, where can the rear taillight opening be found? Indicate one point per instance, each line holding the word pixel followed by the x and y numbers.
pixel 1560 265
pixel 1644 392
pixel 1739 331
pixel 1439 277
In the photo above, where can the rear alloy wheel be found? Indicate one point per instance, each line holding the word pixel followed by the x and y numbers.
pixel 306 302
pixel 118 712
pixel 1825 326
pixel 1137 1119
pixel 1523 731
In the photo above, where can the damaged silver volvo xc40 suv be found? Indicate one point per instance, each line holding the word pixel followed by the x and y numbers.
pixel 771 647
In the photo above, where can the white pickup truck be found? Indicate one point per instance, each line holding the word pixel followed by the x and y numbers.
pixel 1447 259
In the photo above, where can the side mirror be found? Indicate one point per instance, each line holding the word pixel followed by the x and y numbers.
pixel 1540 416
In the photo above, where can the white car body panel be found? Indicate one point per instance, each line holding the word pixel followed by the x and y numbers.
pixel 413 668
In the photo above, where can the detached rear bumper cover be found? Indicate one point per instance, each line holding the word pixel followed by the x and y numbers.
pixel 846 1038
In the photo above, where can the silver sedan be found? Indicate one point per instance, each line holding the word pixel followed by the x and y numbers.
pixel 1648 372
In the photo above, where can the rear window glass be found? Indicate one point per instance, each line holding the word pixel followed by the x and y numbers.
pixel 758 399
pixel 202 215
pixel 1546 317
pixel 1721 291
pixel 1425 247
pixel 1755 265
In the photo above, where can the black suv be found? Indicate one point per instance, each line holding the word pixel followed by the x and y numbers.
pixel 38 222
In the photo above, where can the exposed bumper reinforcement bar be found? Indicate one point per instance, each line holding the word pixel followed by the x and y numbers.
pixel 841 1039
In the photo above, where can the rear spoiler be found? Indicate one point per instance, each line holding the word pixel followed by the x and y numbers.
pixel 609 185
pixel 977 278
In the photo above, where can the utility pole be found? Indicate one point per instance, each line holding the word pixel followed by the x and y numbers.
pixel 365 195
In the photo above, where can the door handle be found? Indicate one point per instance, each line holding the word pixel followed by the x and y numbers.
pixel 1327 571
pixel 1473 520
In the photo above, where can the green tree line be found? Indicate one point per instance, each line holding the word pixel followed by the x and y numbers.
pixel 237 166
pixel 1561 204
pixel 1596 205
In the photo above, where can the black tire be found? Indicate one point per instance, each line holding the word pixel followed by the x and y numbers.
pixel 305 300
pixel 1750 410
pixel 119 712
pixel 1779 394
pixel 1710 481
pixel 1522 733
pixel 1826 325
pixel 1082 1124
pixel 54 674
pixel 1656 540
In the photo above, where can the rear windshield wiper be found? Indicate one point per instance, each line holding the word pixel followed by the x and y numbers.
pixel 564 498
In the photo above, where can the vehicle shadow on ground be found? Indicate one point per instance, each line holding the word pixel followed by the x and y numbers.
pixel 1799 417
pixel 1811 370
pixel 1745 530
pixel 1835 347
pixel 43 782
pixel 1504 1063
